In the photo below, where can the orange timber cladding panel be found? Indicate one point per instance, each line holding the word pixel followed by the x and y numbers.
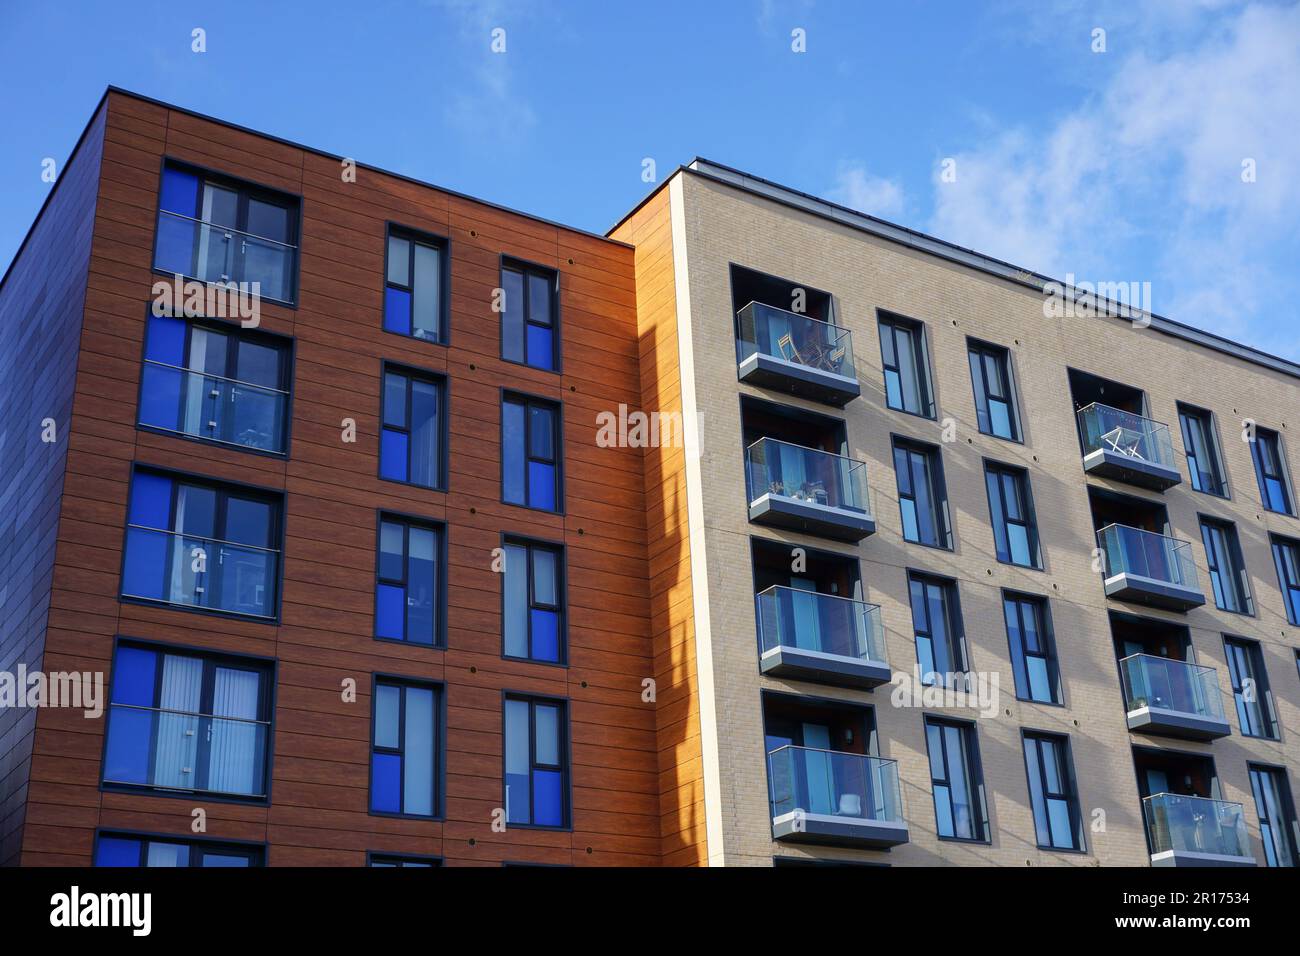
pixel 318 810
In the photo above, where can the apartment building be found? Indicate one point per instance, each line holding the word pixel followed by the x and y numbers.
pixel 911 471
pixel 924 581
pixel 363 585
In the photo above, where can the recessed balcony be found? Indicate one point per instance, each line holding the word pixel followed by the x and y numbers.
pixel 796 354
pixel 1173 698
pixel 823 638
pixel 1149 568
pixel 832 798
pixel 1127 447
pixel 1196 831
pixel 804 489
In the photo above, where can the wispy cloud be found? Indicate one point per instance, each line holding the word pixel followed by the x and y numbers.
pixel 858 189
pixel 488 103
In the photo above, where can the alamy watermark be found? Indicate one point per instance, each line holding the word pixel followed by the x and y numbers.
pixel 1075 298
pixel 78 690
pixel 977 690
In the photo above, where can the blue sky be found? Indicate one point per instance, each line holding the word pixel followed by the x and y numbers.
pixel 1123 165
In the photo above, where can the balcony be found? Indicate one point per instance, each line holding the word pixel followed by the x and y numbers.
pixel 1173 698
pixel 1196 831
pixel 223 255
pixel 191 571
pixel 213 408
pixel 821 637
pixel 796 354
pixel 836 799
pixel 181 751
pixel 1149 568
pixel 1127 447
pixel 803 489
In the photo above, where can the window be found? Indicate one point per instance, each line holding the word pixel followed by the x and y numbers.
pixel 410 448
pixel 408 589
pixel 1033 649
pixel 1202 445
pixel 416 286
pixel 1015 532
pixel 528 318
pixel 390 860
pixel 215 382
pixel 533 613
pixel 120 849
pixel 1250 691
pixel 181 721
pixel 1286 556
pixel 1227 571
pixel 1052 792
pixel 530 450
pixel 936 620
pixel 404 748
pixel 1270 469
pixel 956 779
pixel 907 366
pixel 221 231
pixel 536 749
pixel 1277 821
pixel 199 544
pixel 922 497
pixel 995 401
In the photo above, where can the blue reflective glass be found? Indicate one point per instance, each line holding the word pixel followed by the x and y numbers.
pixel 166 340
pixel 179 192
pixel 541 348
pixel 386 783
pixel 512 452
pixel 548 804
pixel 392 455
pixel 390 610
pixel 130 733
pixel 546 635
pixel 117 851
pixel 175 253
pixel 145 563
pixel 151 500
pixel 134 672
pixel 160 397
pixel 397 311
pixel 541 485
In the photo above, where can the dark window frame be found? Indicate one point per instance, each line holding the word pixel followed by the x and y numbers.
pixel 561 593
pixel 1237 650
pixel 527 269
pixel 563 749
pixel 941 516
pixel 975 771
pixel 1000 355
pixel 1025 504
pixel 439 381
pixel 1238 576
pixel 957 645
pixel 1047 635
pixel 256 852
pixel 440 585
pixel 438 775
pixel 1287 583
pixel 1287 826
pixel 920 356
pixel 527 401
pixel 1066 771
pixel 1270 441
pixel 1209 436
pixel 419 237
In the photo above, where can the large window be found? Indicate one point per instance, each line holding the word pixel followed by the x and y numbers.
pixel 1015 532
pixel 411 446
pixel 1202 445
pixel 1255 713
pixel 533 603
pixel 408 589
pixel 907 366
pixel 1227 567
pixel 528 321
pixel 222 231
pixel 956 779
pixel 200 544
pixel 404 748
pixel 537 760
pixel 123 849
pixel 922 497
pixel 181 721
pixel 530 453
pixel 215 382
pixel 1033 649
pixel 1286 556
pixel 995 397
pixel 1271 470
pixel 415 285
pixel 1052 793
pixel 1277 820
pixel 936 622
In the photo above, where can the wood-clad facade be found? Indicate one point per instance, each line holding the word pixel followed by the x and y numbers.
pixel 317 812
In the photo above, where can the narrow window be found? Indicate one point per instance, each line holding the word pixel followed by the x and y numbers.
pixel 404 749
pixel 936 622
pixel 1277 820
pixel 1227 570
pixel 528 320
pixel 120 849
pixel 536 748
pixel 956 779
pixel 410 448
pixel 1202 445
pixel 1015 532
pixel 1033 649
pixel 995 403
pixel 907 366
pixel 1250 691
pixel 530 453
pixel 415 288
pixel 1270 469
pixel 1286 556
pixel 533 617
pixel 408 589
pixel 1052 792
pixel 922 497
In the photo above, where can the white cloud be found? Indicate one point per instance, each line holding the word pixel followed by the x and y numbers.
pixel 488 102
pixel 858 189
